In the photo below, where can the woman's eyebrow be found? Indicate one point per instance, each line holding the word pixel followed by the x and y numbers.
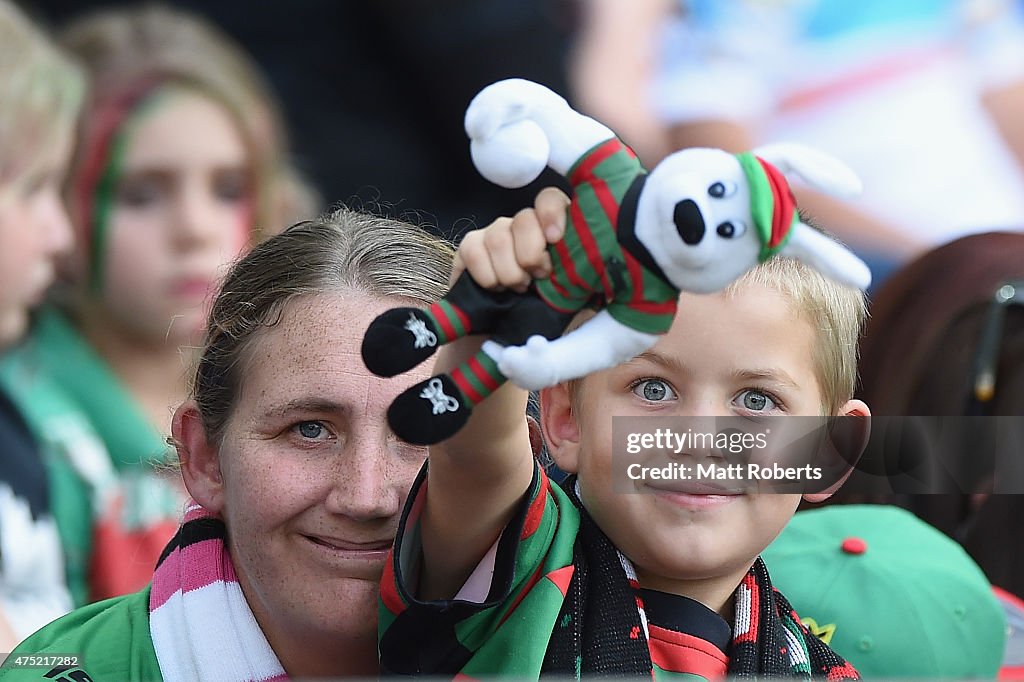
pixel 304 404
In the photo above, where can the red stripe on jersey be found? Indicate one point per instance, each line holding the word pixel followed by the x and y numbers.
pixel 442 319
pixel 566 263
pixel 465 386
pixel 590 248
pixel 561 578
pixel 389 587
pixel 636 276
pixel 678 652
pixel 534 579
pixel 585 171
pixel 536 511
pixel 655 308
pixel 560 290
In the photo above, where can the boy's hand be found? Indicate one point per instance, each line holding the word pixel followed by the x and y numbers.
pixel 511 252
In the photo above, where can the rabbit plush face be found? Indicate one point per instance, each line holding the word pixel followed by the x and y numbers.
pixel 694 218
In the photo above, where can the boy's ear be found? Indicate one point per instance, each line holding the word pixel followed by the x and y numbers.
pixel 847 443
pixel 560 428
pixel 200 460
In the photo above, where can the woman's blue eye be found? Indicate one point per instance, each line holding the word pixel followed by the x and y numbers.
pixel 757 401
pixel 311 430
pixel 654 390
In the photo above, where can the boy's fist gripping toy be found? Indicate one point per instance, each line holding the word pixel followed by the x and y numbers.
pixel 634 240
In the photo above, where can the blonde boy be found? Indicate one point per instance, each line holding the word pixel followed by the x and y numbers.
pixel 496 570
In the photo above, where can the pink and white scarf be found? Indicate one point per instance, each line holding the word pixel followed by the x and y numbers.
pixel 201 625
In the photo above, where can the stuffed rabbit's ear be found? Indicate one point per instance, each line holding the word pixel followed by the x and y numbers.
pixel 827 256
pixel 816 168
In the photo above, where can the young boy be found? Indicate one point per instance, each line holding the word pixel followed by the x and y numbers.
pixel 496 570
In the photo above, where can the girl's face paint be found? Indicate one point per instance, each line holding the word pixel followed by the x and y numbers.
pixel 179 212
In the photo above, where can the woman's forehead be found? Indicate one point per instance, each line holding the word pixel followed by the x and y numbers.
pixel 316 341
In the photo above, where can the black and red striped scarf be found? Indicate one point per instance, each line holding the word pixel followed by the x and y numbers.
pixel 596 630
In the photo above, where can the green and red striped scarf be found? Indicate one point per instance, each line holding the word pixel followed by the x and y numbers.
pixel 595 630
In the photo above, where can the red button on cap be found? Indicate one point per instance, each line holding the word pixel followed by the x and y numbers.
pixel 854 546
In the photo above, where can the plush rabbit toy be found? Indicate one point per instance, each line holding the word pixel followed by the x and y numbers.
pixel 634 240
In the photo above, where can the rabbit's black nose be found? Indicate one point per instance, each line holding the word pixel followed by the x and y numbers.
pixel 689 221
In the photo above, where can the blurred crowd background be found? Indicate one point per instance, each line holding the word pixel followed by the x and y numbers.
pixel 923 98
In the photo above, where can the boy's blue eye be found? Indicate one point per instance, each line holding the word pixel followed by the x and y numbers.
pixel 653 390
pixel 311 430
pixel 756 401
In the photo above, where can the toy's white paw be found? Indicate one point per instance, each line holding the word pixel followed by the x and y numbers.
pixel 513 156
pixel 509 147
pixel 531 365
pixel 493 349
pixel 505 102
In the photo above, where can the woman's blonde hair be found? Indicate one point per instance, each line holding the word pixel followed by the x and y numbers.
pixel 41 91
pixel 129 52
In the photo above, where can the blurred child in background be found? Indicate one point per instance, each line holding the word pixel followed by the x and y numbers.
pixel 179 167
pixel 41 92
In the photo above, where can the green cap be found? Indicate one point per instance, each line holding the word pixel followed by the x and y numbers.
pixel 890 593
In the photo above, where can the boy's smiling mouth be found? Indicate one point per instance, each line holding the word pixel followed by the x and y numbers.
pixel 692 495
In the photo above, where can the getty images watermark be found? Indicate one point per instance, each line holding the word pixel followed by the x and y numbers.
pixel 727 454
pixel 727 443
pixel 876 455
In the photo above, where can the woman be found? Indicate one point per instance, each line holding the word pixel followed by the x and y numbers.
pixel 285 449
pixel 179 167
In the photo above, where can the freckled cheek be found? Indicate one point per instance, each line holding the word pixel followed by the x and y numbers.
pixel 405 475
pixel 267 496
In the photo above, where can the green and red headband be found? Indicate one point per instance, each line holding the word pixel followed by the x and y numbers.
pixel 101 151
pixel 772 204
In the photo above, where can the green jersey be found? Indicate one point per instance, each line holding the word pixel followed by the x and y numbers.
pixel 108 640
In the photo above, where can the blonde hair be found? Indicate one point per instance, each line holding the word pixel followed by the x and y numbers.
pixel 837 313
pixel 127 49
pixel 41 91
pixel 343 250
